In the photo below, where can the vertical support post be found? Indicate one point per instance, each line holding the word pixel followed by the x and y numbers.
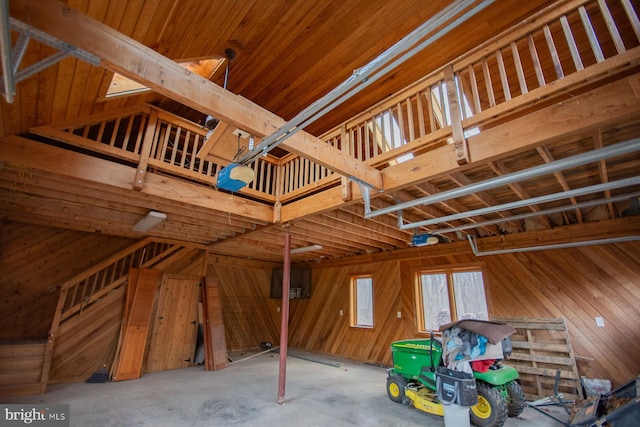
pixel 5 52
pixel 459 141
pixel 145 151
pixel 284 327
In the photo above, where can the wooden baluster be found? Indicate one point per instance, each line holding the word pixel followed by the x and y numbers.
pixel 536 60
pixel 141 128
pixel 127 133
pixel 432 116
pixel 176 146
pixel 633 17
pixel 420 109
pixel 573 48
pixel 591 34
pixel 488 84
pixel 165 140
pixel 519 70
pixel 503 76
pixel 400 121
pixel 463 95
pixel 185 148
pixel 101 130
pixel 474 90
pixel 114 133
pixel 194 150
pixel 412 131
pixel 554 53
pixel 611 26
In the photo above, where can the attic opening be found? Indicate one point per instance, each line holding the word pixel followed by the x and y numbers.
pixel 123 86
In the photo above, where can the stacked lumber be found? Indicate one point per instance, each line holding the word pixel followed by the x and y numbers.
pixel 541 349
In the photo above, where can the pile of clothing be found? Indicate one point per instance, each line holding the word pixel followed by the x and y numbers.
pixel 462 347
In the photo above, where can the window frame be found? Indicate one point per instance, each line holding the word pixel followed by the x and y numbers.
pixel 353 302
pixel 453 307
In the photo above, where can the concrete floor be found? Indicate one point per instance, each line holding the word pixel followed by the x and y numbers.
pixel 320 391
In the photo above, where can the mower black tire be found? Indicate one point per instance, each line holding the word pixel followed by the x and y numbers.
pixel 395 388
pixel 517 400
pixel 491 409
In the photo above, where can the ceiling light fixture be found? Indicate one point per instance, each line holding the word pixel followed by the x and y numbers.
pixel 152 219
pixel 306 249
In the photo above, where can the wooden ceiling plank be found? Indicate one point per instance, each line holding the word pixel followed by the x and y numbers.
pixel 351 226
pixel 119 53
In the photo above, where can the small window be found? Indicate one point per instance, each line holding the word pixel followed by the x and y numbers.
pixel 121 85
pixel 362 302
pixel 445 296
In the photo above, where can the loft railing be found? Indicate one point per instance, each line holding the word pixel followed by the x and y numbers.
pixel 173 144
pixel 562 49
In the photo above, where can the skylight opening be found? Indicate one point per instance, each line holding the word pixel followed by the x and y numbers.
pixel 123 86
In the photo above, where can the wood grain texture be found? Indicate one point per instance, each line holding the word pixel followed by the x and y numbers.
pixel 34 260
pixel 172 340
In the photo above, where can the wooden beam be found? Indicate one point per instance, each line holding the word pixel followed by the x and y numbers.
pixel 23 153
pixel 459 141
pixel 121 54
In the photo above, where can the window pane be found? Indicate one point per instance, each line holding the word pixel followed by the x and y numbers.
pixel 364 301
pixel 435 301
pixel 471 302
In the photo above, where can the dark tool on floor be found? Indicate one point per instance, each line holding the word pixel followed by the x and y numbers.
pixel 99 376
pixel 619 408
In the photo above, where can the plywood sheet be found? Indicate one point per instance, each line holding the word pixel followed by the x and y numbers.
pixel 215 345
pixel 175 326
pixel 131 357
pixel 541 350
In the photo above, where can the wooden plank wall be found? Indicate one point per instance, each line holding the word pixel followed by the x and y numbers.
pixel 34 260
pixel 576 284
pixel 250 317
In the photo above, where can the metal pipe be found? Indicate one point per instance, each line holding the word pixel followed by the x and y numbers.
pixel 546 168
pixel 363 75
pixel 535 200
pixel 551 211
pixel 5 51
pixel 18 51
pixel 474 246
pixel 284 314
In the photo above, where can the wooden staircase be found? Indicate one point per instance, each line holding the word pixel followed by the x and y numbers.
pixel 26 364
pixel 21 363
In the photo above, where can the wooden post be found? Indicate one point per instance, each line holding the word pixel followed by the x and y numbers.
pixel 284 313
pixel 145 152
pixel 462 151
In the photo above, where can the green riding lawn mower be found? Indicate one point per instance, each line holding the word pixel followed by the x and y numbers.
pixel 418 363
